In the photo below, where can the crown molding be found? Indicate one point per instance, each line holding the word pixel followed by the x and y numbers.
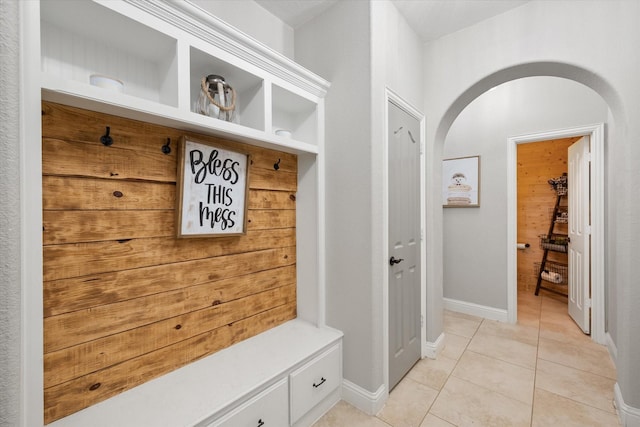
pixel 205 26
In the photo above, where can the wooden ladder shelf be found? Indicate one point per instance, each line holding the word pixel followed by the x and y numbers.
pixel 553 271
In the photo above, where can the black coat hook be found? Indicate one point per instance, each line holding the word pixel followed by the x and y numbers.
pixel 106 139
pixel 276 165
pixel 165 148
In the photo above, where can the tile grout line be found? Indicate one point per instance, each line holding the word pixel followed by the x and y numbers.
pixel 497 359
pixel 570 367
pixel 466 347
pixel 465 350
pixel 535 370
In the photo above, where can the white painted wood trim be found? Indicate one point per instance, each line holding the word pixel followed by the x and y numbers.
pixel 613 349
pixel 596 134
pixel 431 350
pixel 391 96
pixel 32 399
pixel 205 26
pixel 598 309
pixel 483 311
pixel 366 401
pixel 322 217
pixel 512 229
pixel 628 415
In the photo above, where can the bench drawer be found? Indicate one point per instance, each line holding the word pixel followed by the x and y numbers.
pixel 270 408
pixel 311 383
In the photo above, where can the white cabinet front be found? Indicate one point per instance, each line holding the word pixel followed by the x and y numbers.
pixel 314 381
pixel 267 409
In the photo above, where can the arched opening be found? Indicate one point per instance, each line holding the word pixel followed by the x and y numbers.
pixel 551 69
pixel 601 88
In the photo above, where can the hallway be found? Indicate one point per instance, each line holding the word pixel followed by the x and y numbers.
pixel 541 372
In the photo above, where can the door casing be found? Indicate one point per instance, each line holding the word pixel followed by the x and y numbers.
pixel 391 96
pixel 596 182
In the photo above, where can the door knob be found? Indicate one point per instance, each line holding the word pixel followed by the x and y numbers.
pixel 393 261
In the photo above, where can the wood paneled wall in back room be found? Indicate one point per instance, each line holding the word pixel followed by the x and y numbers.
pixel 124 300
pixel 538 162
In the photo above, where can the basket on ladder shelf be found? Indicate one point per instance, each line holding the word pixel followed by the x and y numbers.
pixel 553 272
pixel 559 184
pixel 554 242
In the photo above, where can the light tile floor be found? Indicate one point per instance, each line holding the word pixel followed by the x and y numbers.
pixel 542 371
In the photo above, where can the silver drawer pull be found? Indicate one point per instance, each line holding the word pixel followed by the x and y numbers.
pixel 260 422
pixel 322 381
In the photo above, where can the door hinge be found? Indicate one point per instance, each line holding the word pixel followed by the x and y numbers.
pixel 587 303
pixel 587 157
pixel 587 229
pixel 421 234
pixel 421 321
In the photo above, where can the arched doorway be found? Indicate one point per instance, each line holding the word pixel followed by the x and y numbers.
pixel 441 128
pixel 483 240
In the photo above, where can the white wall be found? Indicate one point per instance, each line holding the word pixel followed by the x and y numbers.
pixel 336 46
pixel 595 43
pixel 475 267
pixel 255 21
pixel 10 301
pixel 396 64
pixel 360 47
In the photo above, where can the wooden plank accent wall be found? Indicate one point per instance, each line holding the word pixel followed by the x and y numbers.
pixel 124 300
pixel 537 163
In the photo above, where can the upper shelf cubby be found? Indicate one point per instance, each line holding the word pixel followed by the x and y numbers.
pixel 295 114
pixel 249 88
pixel 82 38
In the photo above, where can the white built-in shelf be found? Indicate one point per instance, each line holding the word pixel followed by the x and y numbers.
pixel 161 50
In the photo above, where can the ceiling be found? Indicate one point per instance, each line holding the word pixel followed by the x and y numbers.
pixel 430 19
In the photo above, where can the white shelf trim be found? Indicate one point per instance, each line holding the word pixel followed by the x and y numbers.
pixel 65 92
pixel 201 24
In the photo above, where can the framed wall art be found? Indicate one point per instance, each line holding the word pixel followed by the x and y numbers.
pixel 461 182
pixel 212 188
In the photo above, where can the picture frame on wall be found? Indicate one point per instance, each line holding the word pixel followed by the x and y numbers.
pixel 212 189
pixel 461 182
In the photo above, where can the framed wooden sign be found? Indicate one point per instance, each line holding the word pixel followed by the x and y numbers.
pixel 461 182
pixel 212 190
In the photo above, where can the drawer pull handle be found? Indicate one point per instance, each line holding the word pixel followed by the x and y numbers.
pixel 322 381
pixel 260 422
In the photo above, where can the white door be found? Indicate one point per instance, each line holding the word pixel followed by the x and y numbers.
pixel 579 235
pixel 404 242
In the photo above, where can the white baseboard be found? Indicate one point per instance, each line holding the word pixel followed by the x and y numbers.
pixel 364 400
pixel 629 416
pixel 433 349
pixel 611 346
pixel 476 310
